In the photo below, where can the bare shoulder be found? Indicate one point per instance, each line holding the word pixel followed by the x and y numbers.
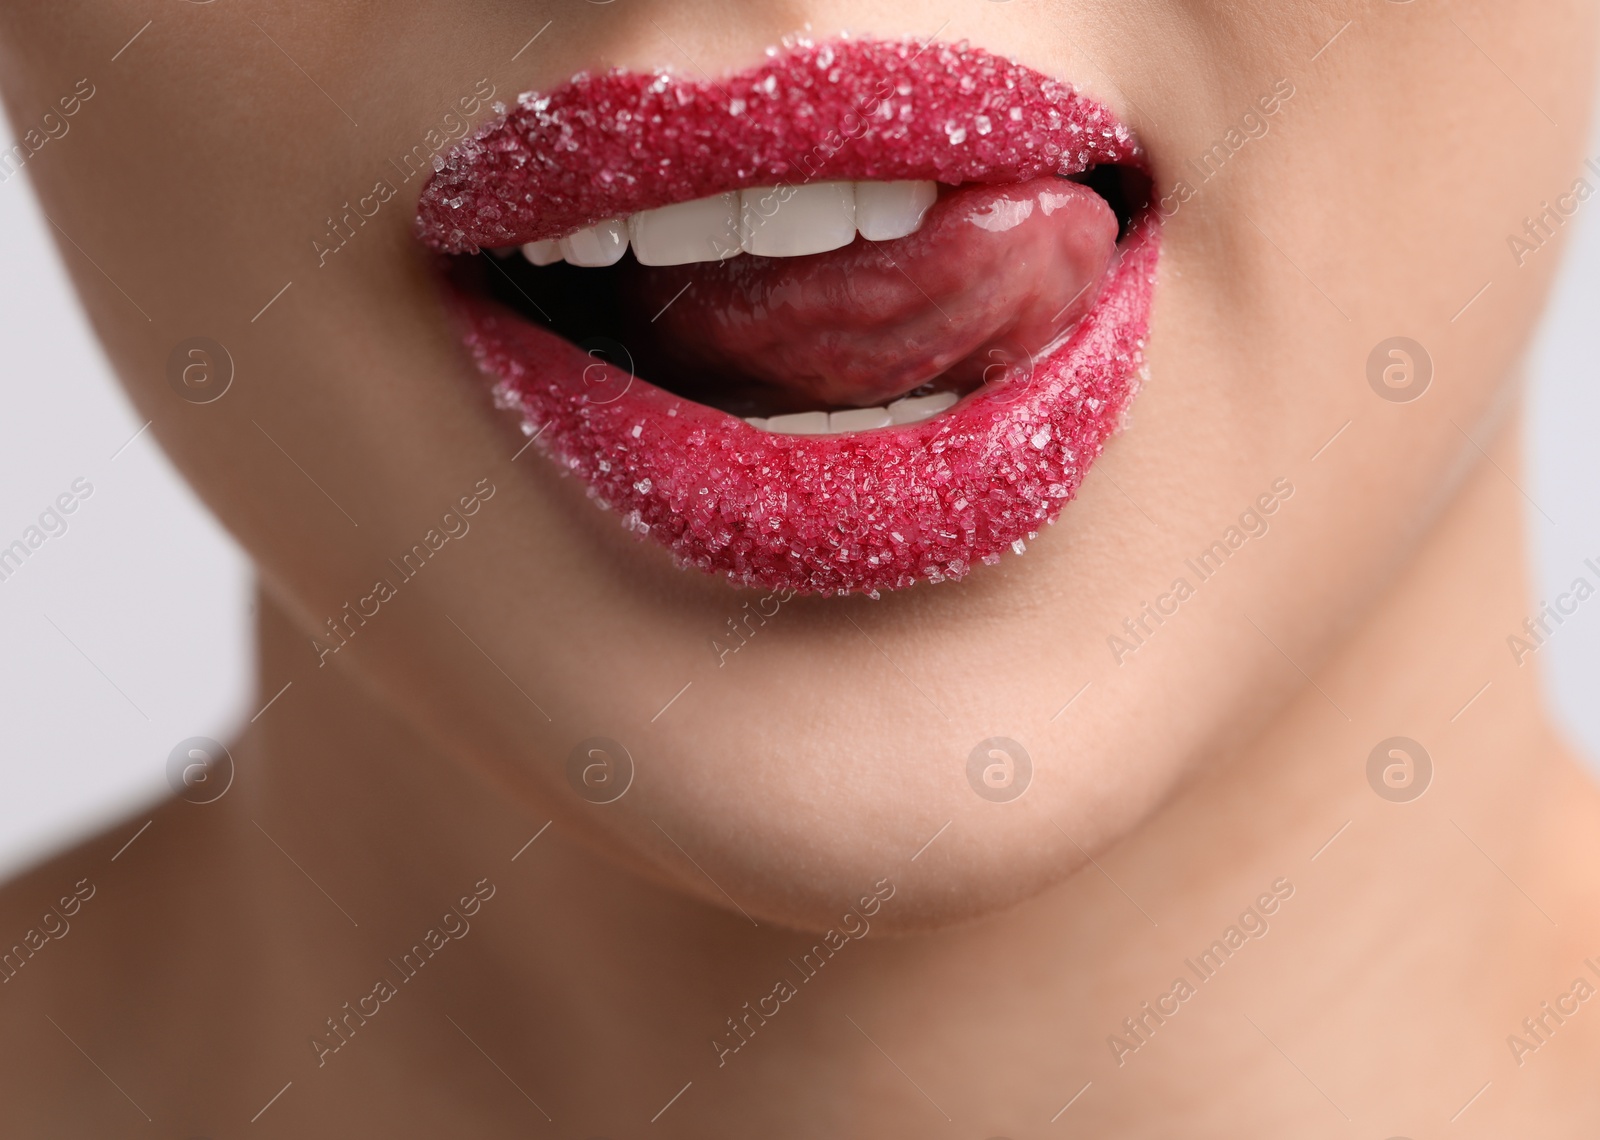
pixel 54 916
pixel 107 951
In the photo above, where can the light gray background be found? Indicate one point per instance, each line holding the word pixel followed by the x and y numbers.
pixel 132 632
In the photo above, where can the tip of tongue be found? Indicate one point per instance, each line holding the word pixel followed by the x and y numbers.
pixel 995 275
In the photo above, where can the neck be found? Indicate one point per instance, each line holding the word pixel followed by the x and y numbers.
pixel 1266 919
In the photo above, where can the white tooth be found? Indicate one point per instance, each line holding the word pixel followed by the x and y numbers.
pixel 914 409
pixel 796 220
pixel 889 210
pixel 706 229
pixel 756 422
pixel 858 419
pixel 799 423
pixel 601 244
pixel 546 252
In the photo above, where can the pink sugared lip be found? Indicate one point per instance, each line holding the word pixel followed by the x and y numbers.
pixel 862 512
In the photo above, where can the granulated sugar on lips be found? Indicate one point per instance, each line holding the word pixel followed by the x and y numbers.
pixel 606 146
pixel 835 514
pixel 841 514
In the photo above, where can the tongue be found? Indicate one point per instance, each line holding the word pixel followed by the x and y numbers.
pixel 995 274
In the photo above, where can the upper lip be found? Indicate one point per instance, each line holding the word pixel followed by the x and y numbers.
pixel 606 146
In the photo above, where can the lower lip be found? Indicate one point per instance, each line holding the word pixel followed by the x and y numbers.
pixel 838 514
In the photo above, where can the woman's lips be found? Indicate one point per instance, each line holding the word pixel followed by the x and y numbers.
pixel 855 512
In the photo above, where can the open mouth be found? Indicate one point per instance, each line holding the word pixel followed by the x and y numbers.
pixel 854 319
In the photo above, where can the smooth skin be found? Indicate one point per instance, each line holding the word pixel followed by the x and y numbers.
pixel 1227 753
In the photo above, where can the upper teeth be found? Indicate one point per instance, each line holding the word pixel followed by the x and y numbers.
pixel 772 221
pixel 912 409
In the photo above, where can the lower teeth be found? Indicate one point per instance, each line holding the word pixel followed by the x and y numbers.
pixel 912 409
